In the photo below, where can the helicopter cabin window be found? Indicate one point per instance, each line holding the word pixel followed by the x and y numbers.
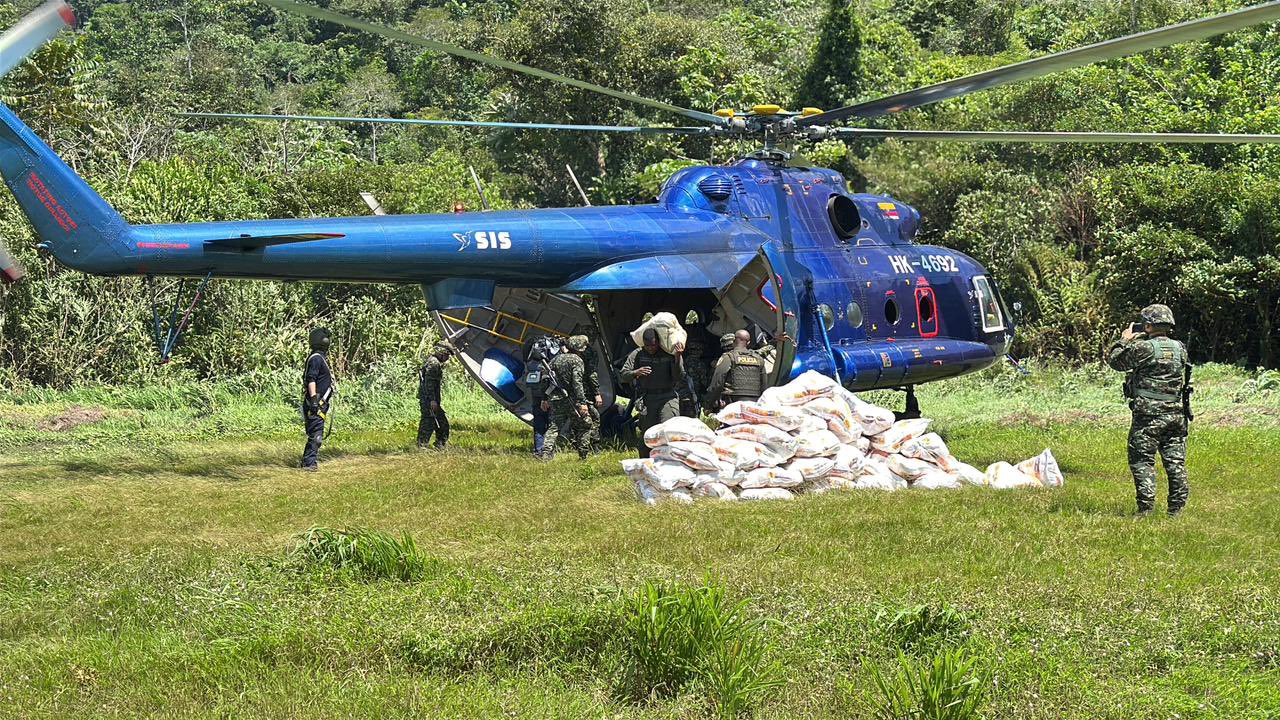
pixel 891 314
pixel 828 316
pixel 854 313
pixel 988 305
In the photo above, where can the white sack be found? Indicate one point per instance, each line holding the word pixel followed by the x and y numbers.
pixel 968 474
pixel 863 443
pixel 1043 467
pixel 810 423
pixel 779 444
pixel 682 495
pixel 808 386
pixel 872 418
pixel 876 476
pixel 699 456
pixel 812 468
pixel 669 331
pixel 715 490
pixel 909 469
pixel 661 475
pixel 741 454
pixel 930 448
pixel 776 477
pixel 891 440
pixel 936 480
pixel 680 429
pixel 817 443
pixel 850 459
pixel 769 493
pixel 732 414
pixel 837 417
pixel 1002 476
pixel 782 417
pixel 646 493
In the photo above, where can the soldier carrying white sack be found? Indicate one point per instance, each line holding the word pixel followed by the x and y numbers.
pixel 656 377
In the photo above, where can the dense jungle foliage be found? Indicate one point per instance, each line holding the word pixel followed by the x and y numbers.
pixel 1082 236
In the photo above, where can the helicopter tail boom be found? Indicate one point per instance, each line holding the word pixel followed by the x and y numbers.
pixel 72 220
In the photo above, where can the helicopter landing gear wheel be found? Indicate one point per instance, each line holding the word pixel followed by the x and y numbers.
pixel 912 410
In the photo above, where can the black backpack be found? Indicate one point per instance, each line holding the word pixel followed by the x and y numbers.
pixel 541 352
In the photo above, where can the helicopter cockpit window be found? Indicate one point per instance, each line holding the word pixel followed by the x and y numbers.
pixel 828 316
pixel 854 313
pixel 988 305
pixel 891 314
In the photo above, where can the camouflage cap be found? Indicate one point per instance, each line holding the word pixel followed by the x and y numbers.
pixel 443 346
pixel 727 341
pixel 1157 315
pixel 577 343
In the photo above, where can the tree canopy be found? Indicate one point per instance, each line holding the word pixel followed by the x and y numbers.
pixel 1081 236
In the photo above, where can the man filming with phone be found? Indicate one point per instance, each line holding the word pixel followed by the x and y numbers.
pixel 1158 386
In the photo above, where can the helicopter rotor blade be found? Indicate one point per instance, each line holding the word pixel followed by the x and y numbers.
pixel 1056 137
pixel 33 31
pixel 11 271
pixel 1056 62
pixel 317 13
pixel 639 130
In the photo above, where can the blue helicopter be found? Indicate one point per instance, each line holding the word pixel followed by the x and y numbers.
pixel 833 279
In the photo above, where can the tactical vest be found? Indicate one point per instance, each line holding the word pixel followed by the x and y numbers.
pixel 746 373
pixel 1161 379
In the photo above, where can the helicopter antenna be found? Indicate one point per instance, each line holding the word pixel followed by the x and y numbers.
pixel 484 201
pixel 585 200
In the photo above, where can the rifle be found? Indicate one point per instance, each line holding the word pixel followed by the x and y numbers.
pixel 1186 392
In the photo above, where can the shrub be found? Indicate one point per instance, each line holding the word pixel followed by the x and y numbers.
pixel 947 686
pixel 682 638
pixel 368 553
pixel 922 627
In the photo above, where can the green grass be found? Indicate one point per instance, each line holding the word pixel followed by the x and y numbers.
pixel 147 566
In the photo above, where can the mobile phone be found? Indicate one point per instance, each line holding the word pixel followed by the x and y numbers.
pixel 1135 328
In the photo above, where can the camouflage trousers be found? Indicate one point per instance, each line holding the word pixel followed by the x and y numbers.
pixel 568 428
pixel 1166 434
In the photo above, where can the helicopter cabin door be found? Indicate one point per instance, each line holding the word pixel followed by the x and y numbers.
pixel 762 294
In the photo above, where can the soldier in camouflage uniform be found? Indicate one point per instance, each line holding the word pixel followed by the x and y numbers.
pixel 655 376
pixel 740 372
pixel 571 419
pixel 432 418
pixel 591 382
pixel 697 369
pixel 1158 375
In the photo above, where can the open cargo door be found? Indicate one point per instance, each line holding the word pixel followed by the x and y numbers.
pixel 493 340
pixel 763 293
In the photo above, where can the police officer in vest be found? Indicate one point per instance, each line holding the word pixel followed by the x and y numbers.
pixel 739 374
pixel 656 377
pixel 317 391
pixel 1158 386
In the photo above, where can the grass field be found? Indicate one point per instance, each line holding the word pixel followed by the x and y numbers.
pixel 146 564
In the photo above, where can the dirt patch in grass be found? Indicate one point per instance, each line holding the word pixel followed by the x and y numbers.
pixel 1025 418
pixel 1243 416
pixel 73 417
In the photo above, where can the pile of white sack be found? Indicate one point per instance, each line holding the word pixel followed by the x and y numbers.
pixel 810 436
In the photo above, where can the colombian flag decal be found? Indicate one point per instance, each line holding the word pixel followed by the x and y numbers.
pixel 890 210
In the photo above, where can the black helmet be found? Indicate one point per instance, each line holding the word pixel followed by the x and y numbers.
pixel 320 339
